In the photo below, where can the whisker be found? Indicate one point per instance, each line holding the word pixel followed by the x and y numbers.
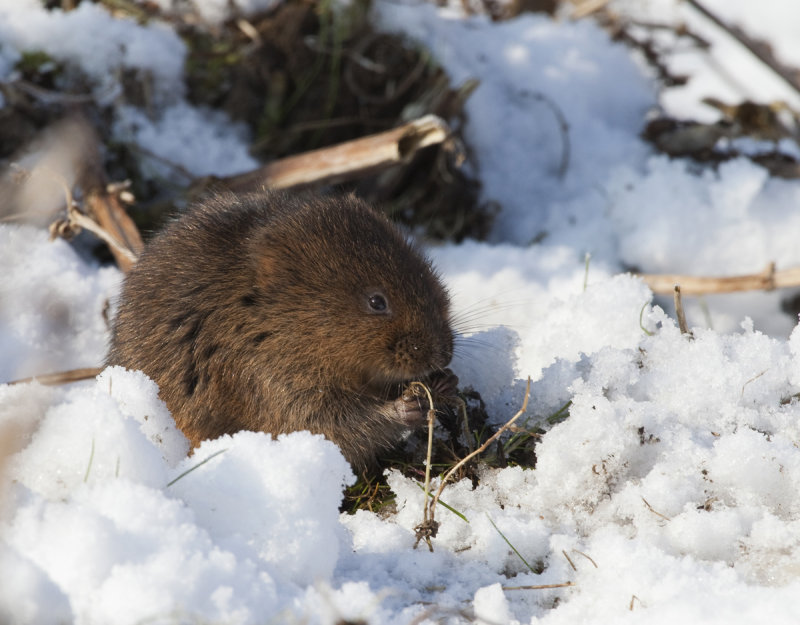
pixel 482 344
pixel 478 313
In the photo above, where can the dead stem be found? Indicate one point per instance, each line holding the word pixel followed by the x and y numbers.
pixel 679 309
pixel 766 280
pixel 429 522
pixel 62 377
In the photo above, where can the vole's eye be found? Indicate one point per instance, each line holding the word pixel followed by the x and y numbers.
pixel 377 303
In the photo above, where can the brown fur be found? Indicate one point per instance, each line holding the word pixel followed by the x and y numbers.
pixel 252 312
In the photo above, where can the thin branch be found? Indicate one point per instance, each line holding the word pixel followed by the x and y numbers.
pixel 62 377
pixel 540 586
pixel 767 280
pixel 760 50
pixel 79 219
pixel 49 96
pixel 72 158
pixel 76 220
pixel 106 209
pixel 344 161
pixel 587 7
pixel 431 422
pixel 679 309
pixel 482 448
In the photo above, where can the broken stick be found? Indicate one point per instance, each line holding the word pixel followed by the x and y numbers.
pixel 767 280
pixel 344 161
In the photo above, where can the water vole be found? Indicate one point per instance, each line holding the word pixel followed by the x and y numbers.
pixel 279 313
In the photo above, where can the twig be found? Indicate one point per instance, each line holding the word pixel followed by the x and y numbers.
pixel 76 220
pixel 62 377
pixel 587 7
pixel 426 530
pixel 345 161
pixel 767 280
pixel 51 97
pixel 679 309
pixel 432 504
pixel 759 50
pixel 465 423
pixel 112 222
pixel 540 586
pixel 100 211
pixel 357 54
pixel 106 209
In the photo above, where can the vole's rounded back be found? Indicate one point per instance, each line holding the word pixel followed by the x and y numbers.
pixel 280 313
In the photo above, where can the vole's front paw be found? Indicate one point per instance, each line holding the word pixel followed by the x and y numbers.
pixel 411 408
pixel 412 405
pixel 444 383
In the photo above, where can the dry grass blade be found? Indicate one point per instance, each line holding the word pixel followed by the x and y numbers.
pixel 654 511
pixel 197 466
pixel 510 544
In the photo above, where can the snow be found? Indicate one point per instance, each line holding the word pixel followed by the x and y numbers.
pixel 91 39
pixel 217 11
pixel 546 72
pixel 52 304
pixel 727 72
pixel 671 493
pixel 179 136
